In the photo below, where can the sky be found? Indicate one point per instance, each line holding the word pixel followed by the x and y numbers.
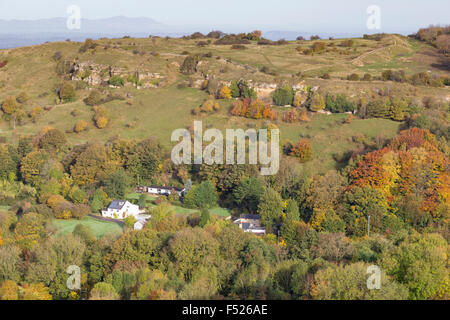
pixel 296 15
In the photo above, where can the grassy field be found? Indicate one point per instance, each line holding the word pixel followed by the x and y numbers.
pixel 99 227
pixel 222 212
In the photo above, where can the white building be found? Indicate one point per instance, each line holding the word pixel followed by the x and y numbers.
pixel 250 223
pixel 161 190
pixel 121 209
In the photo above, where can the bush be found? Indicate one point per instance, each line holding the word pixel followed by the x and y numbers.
pixel 116 81
pixel 189 65
pixel 367 77
pixel 80 126
pixel 318 46
pixel 283 96
pixel 246 91
pixel 53 139
pixel 94 98
pixel 22 97
pixel 353 77
pixel 66 92
pixel 88 44
pixel 101 122
pixel 57 56
pixel 317 103
pixel 9 105
pixel 339 103
pixel 303 150
pixel 225 93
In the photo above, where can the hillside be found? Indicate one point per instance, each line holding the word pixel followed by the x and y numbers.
pixel 165 99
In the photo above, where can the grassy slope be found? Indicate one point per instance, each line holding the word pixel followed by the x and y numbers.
pixel 159 111
pixel 100 228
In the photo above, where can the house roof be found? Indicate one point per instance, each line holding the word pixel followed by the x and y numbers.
pixel 250 216
pixel 117 204
pixel 166 188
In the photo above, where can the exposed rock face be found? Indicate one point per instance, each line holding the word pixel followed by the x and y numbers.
pixel 93 74
pixel 97 74
pixel 265 90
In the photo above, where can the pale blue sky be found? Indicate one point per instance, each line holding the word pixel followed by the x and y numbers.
pixel 307 15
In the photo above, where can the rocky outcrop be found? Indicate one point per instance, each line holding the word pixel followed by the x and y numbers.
pixel 97 74
pixel 265 90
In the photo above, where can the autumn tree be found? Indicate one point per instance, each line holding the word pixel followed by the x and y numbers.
pixel 317 103
pixel 10 105
pixel 302 150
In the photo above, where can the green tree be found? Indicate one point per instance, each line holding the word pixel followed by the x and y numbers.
pixel 283 96
pixel 53 139
pixel 142 201
pixel 235 91
pixel 349 283
pixel 292 211
pixel 103 291
pixel 51 260
pixel 205 217
pixel 117 184
pixel 99 200
pixel 202 196
pixel 270 209
pixel 248 193
pixel 144 159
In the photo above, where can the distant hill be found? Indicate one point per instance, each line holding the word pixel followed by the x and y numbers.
pixel 18 33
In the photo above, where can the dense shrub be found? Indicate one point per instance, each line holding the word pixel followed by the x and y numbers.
pixel 116 81
pixel 94 98
pixel 88 44
pixel 238 47
pixel 9 105
pixel 303 150
pixel 283 96
pixel 318 46
pixel 80 126
pixel 66 92
pixel 367 77
pixel 339 103
pixel 317 102
pixel 231 39
pixel 353 77
pixel 189 65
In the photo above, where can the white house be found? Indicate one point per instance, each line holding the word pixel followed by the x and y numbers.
pixel 161 190
pixel 121 209
pixel 250 223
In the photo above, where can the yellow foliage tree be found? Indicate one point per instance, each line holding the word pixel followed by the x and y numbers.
pixel 10 105
pixel 80 126
pixel 225 93
pixel 101 122
pixel 54 200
